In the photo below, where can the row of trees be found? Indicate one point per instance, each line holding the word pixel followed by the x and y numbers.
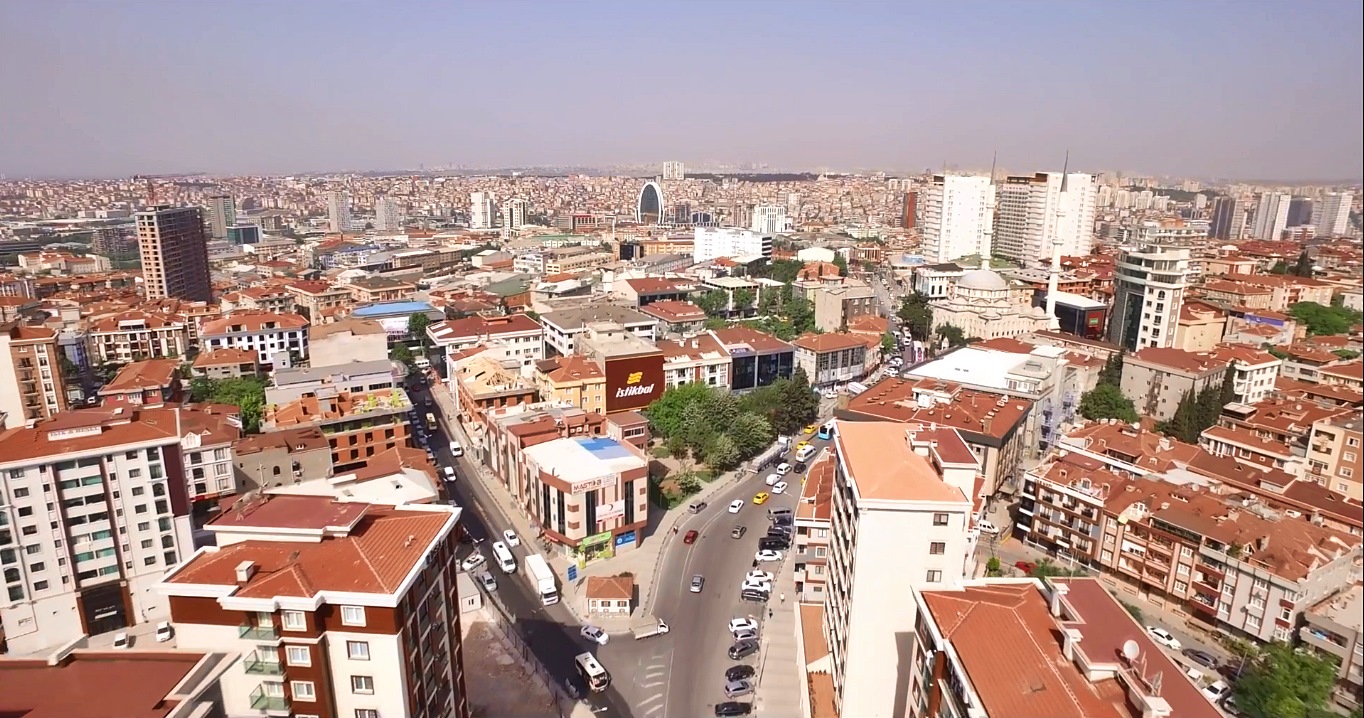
pixel 1198 411
pixel 721 429
pixel 1321 320
pixel 1301 268
pixel 246 393
pixel 1279 681
pixel 1106 400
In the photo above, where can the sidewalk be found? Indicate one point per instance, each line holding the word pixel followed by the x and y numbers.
pixel 642 562
pixel 779 676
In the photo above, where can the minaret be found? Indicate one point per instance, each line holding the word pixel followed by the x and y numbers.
pixel 1054 273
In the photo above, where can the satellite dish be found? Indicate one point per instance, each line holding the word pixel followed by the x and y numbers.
pixel 1130 650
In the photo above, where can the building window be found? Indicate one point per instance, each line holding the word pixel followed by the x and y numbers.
pixel 357 650
pixel 302 690
pixel 934 576
pixel 1253 622
pixel 352 615
pixel 294 621
pixel 939 519
pixel 366 713
pixel 298 656
pixel 361 684
pixel 937 548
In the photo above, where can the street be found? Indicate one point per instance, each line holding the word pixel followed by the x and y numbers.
pixel 550 631
pixel 681 674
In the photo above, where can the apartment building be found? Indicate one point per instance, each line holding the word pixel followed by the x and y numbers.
pixel 1348 374
pixel 347 340
pixel 149 383
pixel 1033 213
pixel 1248 447
pixel 357 425
pixel 280 340
pixel 332 640
pixel 146 683
pixel 1064 641
pixel 1200 326
pixel 640 292
pixel 278 300
pixel 1157 378
pixel 831 360
pixel 700 359
pixel 316 300
pixel 1254 370
pixel 520 335
pixel 573 381
pixel 357 377
pixel 676 318
pixel 136 334
pixel 31 387
pixel 836 307
pixel 958 217
pixel 207 436
pixel 484 380
pixel 1336 627
pixel 379 290
pixel 1334 450
pixel 1149 286
pixel 813 525
pixel 563 328
pixel 229 363
pixel 903 496
pixel 589 495
pixel 280 457
pixel 173 247
pixel 94 511
pixel 710 243
pixel 1306 362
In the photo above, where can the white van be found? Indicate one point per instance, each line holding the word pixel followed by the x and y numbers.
pixel 504 557
pixel 805 453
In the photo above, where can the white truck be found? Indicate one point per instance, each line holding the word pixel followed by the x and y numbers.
pixel 543 578
pixel 652 627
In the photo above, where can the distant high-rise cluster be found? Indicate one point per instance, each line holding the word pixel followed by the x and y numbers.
pixel 674 171
pixel 1271 215
pixel 1331 215
pixel 958 217
pixel 338 211
pixel 1033 213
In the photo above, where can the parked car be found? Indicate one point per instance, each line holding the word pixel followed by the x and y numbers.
pixel 449 473
pixel 690 537
pixel 742 624
pixel 765 556
pixel 736 506
pixel 697 507
pixel 1216 691
pixel 987 529
pixel 773 544
pixel 1025 566
pixel 163 632
pixel 512 539
pixel 594 634
pixel 474 561
pixel 745 635
pixel 1202 658
pixel 487 580
pixel 1163 637
pixel 739 672
pixel 121 640
pixel 743 649
pixel 697 583
pixel 729 709
pixel 779 487
pixel 738 532
pixel 734 689
pixel 758 575
pixel 756 596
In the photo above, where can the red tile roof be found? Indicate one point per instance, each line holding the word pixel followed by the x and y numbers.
pixel 142 376
pixel 97 429
pixel 227 356
pixel 830 342
pixel 674 311
pixel 95 684
pixel 252 322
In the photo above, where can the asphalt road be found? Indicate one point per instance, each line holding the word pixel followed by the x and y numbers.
pixel 550 631
pixel 681 674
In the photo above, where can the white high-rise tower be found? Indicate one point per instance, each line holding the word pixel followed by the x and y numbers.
pixel 389 215
pixel 674 171
pixel 957 217
pixel 338 211
pixel 482 210
pixel 1271 216
pixel 1331 214
pixel 1032 213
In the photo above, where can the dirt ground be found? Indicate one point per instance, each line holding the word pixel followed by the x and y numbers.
pixel 500 686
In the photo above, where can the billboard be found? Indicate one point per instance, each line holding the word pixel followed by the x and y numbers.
pixel 633 382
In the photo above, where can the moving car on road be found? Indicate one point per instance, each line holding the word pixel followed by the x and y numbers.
pixel 987 529
pixel 779 487
pixel 594 634
pixel 809 429
pixel 690 537
pixel 505 560
pixel 474 561
pixel 758 499
pixel 650 628
pixel 1163 637
pixel 743 649
pixel 765 556
pixel 697 507
pixel 772 479
pixel 783 469
pixel 738 532
pixel 1202 658
pixel 593 673
pixel 736 506
pixel 487 581
pixel 456 450
pixel 697 583
pixel 512 539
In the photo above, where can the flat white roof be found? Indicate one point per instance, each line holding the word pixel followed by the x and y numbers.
pixel 581 459
pixel 1077 301
pixel 968 365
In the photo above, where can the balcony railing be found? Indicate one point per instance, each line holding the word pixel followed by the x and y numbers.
pixel 257 633
pixel 262 701
pixel 263 664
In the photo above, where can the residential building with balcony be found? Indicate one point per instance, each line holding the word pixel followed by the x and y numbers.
pixel 831 360
pixel 356 377
pixel 1335 626
pixel 316 300
pixel 589 495
pixel 281 457
pixel 276 300
pixel 119 517
pixel 228 363
pixel 208 433
pixel 836 307
pixel 1200 326
pixel 31 387
pixel 280 340
pixel 137 334
pixel 520 335
pixel 150 383
pixel 564 327
pixel 1157 378
pixel 701 359
pixel 1334 450
pixel 1254 370
pixel 813 525
pixel 1062 505
pixel 486 381
pixel 904 496
pixel 357 425
pixel 1253 449
pixel 572 380
pixel 1305 362
pixel 676 318
pixel 1348 374
pixel 336 608
pixel 1064 641
pixel 379 290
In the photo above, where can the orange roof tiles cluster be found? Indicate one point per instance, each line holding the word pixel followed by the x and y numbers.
pixel 85 430
pixel 142 376
pixel 673 310
pixel 252 322
pixel 227 356
pixel 884 467
pixel 948 404
pixel 95 684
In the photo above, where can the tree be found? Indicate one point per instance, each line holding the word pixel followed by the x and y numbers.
pixel 1303 267
pixel 801 314
pixel 799 406
pixel 1045 568
pixel 416 327
pixel 842 263
pixel 1280 267
pixel 953 334
pixel 1208 409
pixel 993 567
pixel 888 344
pixel 665 413
pixel 1285 683
pixel 1106 401
pixel 70 371
pixel 714 302
pixel 1111 374
pixel 1227 394
pixel 916 315
pixel 1346 354
pixel 721 453
pixel 1324 321
pixel 246 393
pixel 1183 425
pixel 751 433
pixel 743 299
pixel 401 353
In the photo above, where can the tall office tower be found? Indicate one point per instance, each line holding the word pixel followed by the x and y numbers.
pixel 513 215
pixel 1271 216
pixel 174 252
pixel 338 211
pixel 31 386
pixel 769 219
pixel 1332 214
pixel 220 213
pixel 1148 293
pixel 674 171
pixel 909 211
pixel 1032 213
pixel 482 210
pixel 390 215
pixel 1300 211
pixel 957 217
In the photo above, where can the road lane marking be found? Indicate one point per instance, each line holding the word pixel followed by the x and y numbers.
pixel 651 685
pixel 652 699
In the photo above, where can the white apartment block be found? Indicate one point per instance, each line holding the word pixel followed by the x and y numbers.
pixel 562 328
pixel 1148 293
pixel 674 170
pixel 390 215
pixel 1032 213
pixel 338 211
pixel 903 518
pixel 1271 216
pixel 1331 214
pixel 482 210
pixel 769 219
pixel 135 335
pixel 331 640
pixel 277 339
pixel 513 214
pixel 518 334
pixel 714 242
pixel 92 512
pixel 958 214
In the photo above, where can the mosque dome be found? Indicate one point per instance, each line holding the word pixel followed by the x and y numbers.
pixel 982 280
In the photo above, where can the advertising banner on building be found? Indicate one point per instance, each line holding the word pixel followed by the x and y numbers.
pixel 613 510
pixel 633 382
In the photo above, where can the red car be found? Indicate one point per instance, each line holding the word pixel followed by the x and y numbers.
pixel 690 538
pixel 1025 566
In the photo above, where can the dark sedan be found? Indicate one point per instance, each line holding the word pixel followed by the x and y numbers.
pixel 739 673
pixel 1202 658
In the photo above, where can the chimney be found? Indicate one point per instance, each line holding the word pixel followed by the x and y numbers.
pixel 1069 639
pixel 245 570
pixel 1058 591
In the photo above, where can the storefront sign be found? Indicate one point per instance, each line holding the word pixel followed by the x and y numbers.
pixel 634 382
pixel 606 512
pixel 627 537
pixel 597 539
pixel 587 485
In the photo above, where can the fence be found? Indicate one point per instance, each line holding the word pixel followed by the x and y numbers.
pixel 509 628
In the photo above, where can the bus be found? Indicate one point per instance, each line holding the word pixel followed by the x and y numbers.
pixel 430 421
pixel 504 557
pixel 827 430
pixel 592 672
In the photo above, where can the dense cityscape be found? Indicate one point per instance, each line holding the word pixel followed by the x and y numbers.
pixel 1000 438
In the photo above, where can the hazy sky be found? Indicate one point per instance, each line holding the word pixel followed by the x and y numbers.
pixel 1252 89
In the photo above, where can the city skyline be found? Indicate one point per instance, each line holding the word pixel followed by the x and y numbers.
pixel 109 90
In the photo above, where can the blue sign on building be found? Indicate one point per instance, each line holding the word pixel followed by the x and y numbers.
pixel 572 573
pixel 622 539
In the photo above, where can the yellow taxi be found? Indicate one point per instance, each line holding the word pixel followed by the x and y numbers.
pixel 802 445
pixel 760 499
pixel 810 429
